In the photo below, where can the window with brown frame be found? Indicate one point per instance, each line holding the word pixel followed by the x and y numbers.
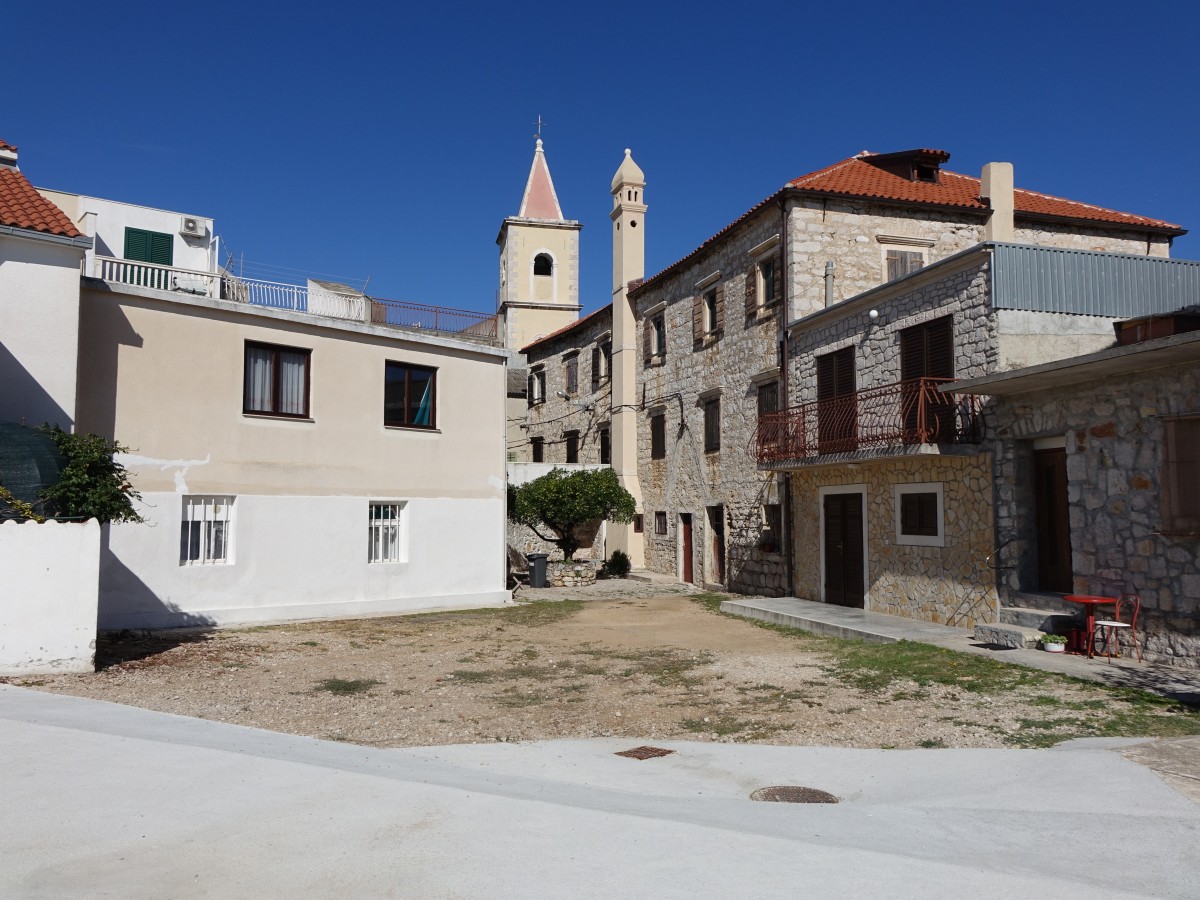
pixel 654 340
pixel 571 373
pixel 772 533
pixel 918 514
pixel 658 436
pixel 660 522
pixel 571 439
pixel 409 396
pixel 276 380
pixel 903 262
pixel 605 441
pixel 837 406
pixel 537 386
pixel 927 351
pixel 712 425
pixel 537 449
pixel 639 523
pixel 1181 476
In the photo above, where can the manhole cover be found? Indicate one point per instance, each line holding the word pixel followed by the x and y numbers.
pixel 645 752
pixel 788 793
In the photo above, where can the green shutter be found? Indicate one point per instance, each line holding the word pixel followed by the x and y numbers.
pixel 162 247
pixel 149 246
pixel 137 244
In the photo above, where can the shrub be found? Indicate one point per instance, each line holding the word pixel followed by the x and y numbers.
pixel 617 565
pixel 92 485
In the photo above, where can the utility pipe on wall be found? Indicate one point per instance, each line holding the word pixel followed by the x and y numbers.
pixel 829 284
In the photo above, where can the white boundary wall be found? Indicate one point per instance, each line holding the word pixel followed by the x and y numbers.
pixel 296 557
pixel 48 598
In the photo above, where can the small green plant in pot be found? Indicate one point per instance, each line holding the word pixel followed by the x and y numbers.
pixel 1053 643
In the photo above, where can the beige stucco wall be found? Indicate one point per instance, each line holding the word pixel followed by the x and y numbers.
pixel 524 297
pixel 949 585
pixel 164 377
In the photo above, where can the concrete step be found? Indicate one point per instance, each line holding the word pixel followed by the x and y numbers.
pixel 1012 636
pixel 649 577
pixel 1041 619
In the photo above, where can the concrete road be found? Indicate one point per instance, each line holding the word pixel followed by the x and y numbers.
pixel 100 800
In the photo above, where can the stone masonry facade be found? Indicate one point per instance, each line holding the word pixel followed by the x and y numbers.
pixel 727 364
pixel 1114 442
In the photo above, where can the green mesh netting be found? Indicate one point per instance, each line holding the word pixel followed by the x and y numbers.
pixel 29 463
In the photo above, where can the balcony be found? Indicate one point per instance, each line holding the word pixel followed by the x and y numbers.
pixel 308 298
pixel 898 417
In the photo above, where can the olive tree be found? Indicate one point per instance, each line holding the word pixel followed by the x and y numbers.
pixel 564 501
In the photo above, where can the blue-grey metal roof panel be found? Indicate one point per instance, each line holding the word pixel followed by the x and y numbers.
pixel 1085 282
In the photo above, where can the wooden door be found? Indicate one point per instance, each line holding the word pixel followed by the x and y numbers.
pixel 685 540
pixel 844 551
pixel 1053 521
pixel 716 527
pixel 837 407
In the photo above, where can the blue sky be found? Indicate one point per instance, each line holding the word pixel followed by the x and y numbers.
pixel 378 140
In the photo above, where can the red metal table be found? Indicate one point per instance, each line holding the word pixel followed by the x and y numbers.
pixel 1090 603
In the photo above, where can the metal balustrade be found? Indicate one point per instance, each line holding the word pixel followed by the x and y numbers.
pixel 897 414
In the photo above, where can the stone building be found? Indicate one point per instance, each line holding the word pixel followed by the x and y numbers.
pixel 891 479
pixel 713 338
pixel 1097 481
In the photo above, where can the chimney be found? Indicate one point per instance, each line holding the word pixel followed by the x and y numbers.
pixel 996 190
pixel 8 154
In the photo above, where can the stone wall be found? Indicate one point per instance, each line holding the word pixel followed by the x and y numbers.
pixel 950 585
pixel 729 365
pixel 1114 438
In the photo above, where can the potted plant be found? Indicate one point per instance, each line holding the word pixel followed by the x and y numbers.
pixel 1053 643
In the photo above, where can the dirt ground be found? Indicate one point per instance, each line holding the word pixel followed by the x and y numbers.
pixel 634 660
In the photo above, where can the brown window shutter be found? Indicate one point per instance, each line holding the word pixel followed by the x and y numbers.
pixel 698 318
pixel 777 293
pixel 844 361
pixel 752 290
pixel 646 341
pixel 939 348
pixel 720 323
pixel 912 353
pixel 826 383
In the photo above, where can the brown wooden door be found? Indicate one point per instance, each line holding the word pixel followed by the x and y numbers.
pixel 716 527
pixel 844 551
pixel 927 351
pixel 837 409
pixel 1053 522
pixel 685 539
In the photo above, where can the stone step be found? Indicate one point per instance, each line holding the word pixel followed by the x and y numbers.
pixel 1053 603
pixel 1012 636
pixel 1041 619
pixel 649 577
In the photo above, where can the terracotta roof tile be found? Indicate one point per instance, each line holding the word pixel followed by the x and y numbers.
pixel 5 145
pixel 21 206
pixel 560 332
pixel 857 177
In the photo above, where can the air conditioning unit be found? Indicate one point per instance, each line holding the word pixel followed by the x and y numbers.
pixel 192 227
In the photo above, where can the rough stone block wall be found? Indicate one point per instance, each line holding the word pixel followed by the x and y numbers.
pixel 1081 237
pixel 950 585
pixel 730 366
pixel 1114 440
pixel 961 293
pixel 523 541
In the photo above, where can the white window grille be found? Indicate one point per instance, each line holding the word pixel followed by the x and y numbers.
pixel 385 533
pixel 206 531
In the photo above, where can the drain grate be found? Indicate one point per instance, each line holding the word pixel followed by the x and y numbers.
pixel 789 793
pixel 645 752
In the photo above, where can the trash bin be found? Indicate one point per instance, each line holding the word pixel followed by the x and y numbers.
pixel 537 569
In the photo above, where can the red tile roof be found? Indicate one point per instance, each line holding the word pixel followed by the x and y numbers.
pixel 577 323
pixel 21 206
pixel 5 145
pixel 857 177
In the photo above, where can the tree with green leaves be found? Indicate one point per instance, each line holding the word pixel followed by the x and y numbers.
pixel 92 485
pixel 564 501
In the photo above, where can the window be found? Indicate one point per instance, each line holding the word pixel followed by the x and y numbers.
pixel 1181 476
pixel 919 514
pixel 898 263
pixel 595 368
pixel 660 522
pixel 385 532
pixel 537 386
pixel 639 523
pixel 409 396
pixel 768 279
pixel 601 363
pixel 654 340
pixel 543 265
pixel 149 246
pixel 927 351
pixel 571 439
pixel 571 373
pixel 276 380
pixel 658 436
pixel 772 534
pixel 605 446
pixel 712 425
pixel 768 398
pixel 206 531
pixel 537 449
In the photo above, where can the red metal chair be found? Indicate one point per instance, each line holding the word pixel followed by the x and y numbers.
pixel 1127 608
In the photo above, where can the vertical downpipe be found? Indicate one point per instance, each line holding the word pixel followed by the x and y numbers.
pixel 829 283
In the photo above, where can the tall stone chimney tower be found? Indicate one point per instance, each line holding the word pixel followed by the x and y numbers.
pixel 629 264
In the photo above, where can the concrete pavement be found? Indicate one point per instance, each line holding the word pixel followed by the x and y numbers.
pixel 107 800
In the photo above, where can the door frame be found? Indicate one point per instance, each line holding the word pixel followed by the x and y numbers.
pixel 685 521
pixel 822 493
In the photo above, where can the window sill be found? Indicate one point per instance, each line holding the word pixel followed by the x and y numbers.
pixel 419 429
pixel 274 417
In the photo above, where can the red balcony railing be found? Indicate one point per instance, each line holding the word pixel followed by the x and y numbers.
pixel 905 412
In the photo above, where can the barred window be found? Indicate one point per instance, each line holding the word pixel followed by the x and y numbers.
pixel 206 531
pixel 385 532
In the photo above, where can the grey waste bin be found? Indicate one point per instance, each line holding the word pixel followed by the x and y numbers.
pixel 537 569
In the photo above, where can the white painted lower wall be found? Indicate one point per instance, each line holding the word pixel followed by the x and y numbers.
pixel 48 597
pixel 302 558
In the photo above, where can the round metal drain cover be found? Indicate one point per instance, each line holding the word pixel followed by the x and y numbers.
pixel 790 793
